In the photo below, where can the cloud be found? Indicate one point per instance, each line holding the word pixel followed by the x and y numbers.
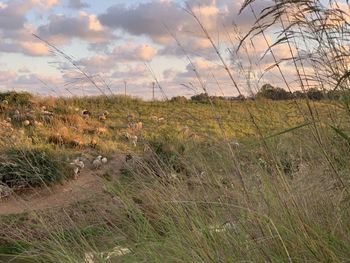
pixel 25 45
pixel 144 32
pixel 62 29
pixel 124 62
pixel 77 4
pixel 217 16
pixel 130 52
pixel 35 49
pixel 45 3
pixel 148 19
pixel 143 52
pixel 3 5
pixel 193 46
pixel 98 64
pixel 141 19
pixel 40 84
pixel 12 14
pixel 24 80
pixel 129 73
pixel 22 41
pixel 15 29
pixel 5 76
pixel 120 56
pixel 23 70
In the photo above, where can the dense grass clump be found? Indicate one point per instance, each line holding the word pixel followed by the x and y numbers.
pixel 202 213
pixel 30 167
pixel 17 98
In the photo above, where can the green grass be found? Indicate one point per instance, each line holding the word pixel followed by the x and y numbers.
pixel 171 204
pixel 213 181
pixel 239 181
pixel 31 167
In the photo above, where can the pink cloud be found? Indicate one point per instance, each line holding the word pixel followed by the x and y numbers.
pixel 35 48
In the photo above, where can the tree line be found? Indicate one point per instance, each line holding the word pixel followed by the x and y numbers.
pixel 270 92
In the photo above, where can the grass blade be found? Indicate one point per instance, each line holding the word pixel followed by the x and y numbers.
pixel 341 134
pixel 288 130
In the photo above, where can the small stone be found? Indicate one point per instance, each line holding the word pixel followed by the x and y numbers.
pixel 26 123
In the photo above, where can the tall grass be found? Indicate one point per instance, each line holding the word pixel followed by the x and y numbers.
pixel 24 167
pixel 274 197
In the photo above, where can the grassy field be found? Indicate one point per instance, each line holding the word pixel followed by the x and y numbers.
pixel 186 181
pixel 252 181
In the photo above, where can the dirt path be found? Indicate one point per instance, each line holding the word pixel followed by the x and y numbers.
pixel 89 183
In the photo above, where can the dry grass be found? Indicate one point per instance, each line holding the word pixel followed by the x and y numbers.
pixel 254 181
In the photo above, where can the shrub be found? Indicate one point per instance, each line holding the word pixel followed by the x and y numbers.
pixel 269 92
pixel 23 167
pixel 314 94
pixel 334 94
pixel 17 98
pixel 203 98
pixel 298 94
pixel 179 99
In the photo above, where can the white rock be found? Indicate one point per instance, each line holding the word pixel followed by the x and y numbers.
pixel 85 114
pixel 133 139
pixel 117 252
pixel 97 163
pixel 104 160
pixel 76 172
pixel 26 123
pixel 89 257
pixel 102 117
pixel 79 163
pixel 92 257
pixel 173 175
pixel 78 166
pixel 38 123
pixel 228 226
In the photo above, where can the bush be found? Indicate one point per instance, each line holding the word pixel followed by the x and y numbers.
pixel 269 92
pixel 334 94
pixel 314 94
pixel 17 98
pixel 179 99
pixel 23 167
pixel 298 95
pixel 203 98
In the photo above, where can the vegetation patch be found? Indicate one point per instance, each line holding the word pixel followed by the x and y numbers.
pixel 17 98
pixel 30 167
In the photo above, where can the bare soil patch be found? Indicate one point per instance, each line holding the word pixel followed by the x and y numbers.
pixel 89 184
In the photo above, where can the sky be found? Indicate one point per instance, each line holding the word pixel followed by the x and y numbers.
pixel 128 45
